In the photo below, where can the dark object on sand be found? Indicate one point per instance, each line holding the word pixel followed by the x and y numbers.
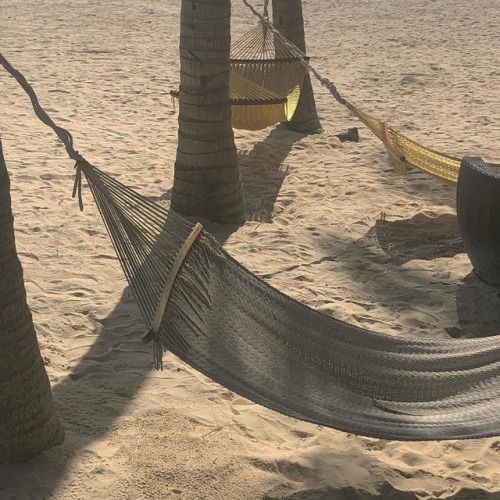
pixel 478 212
pixel 352 135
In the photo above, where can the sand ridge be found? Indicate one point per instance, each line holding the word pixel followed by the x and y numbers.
pixel 105 70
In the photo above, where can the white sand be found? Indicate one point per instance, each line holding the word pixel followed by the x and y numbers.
pixel 104 70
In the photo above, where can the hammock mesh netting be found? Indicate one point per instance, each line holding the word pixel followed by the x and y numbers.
pixel 265 80
pixel 263 58
pixel 236 329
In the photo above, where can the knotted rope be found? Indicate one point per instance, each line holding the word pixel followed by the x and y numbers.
pixel 64 135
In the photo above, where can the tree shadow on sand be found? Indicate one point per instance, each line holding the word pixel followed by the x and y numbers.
pixel 382 252
pixel 426 236
pixel 375 261
pixel 263 172
pixel 90 400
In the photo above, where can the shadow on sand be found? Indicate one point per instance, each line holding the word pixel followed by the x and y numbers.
pixel 263 172
pixel 90 400
pixel 104 383
pixel 414 183
pixel 426 236
pixel 388 245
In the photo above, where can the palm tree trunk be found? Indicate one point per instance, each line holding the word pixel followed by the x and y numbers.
pixel 207 179
pixel 28 422
pixel 288 18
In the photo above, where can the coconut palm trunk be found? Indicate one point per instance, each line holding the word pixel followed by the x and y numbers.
pixel 207 180
pixel 28 421
pixel 288 18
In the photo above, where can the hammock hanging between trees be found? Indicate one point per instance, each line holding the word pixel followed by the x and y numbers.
pixel 402 151
pixel 265 59
pixel 230 325
pixel 265 80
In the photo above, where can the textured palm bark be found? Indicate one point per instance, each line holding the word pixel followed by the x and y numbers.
pixel 28 421
pixel 288 18
pixel 207 179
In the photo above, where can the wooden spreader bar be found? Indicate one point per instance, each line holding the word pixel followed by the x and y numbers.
pixel 167 289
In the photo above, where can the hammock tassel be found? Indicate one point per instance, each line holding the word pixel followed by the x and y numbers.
pixel 77 186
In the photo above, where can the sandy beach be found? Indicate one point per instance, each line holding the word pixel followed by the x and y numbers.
pixel 330 224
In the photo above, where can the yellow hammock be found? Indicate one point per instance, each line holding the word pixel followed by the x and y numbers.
pixel 270 63
pixel 254 107
pixel 403 151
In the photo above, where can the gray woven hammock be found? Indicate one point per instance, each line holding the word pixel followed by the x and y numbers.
pixel 233 327
pixel 227 323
